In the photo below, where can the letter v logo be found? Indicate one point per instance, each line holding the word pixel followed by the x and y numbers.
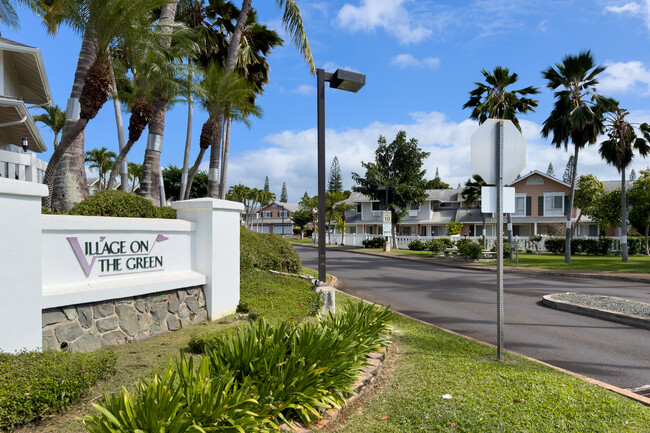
pixel 87 267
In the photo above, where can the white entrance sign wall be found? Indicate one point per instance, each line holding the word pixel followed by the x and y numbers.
pixel 53 261
pixel 92 259
pixel 489 199
pixel 483 151
pixel 215 250
pixel 20 280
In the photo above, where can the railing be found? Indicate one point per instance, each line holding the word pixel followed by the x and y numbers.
pixel 22 166
pixel 524 243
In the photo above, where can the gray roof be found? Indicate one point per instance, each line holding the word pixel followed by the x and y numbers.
pixel 288 206
pixel 612 185
pixel 442 195
pixel 443 216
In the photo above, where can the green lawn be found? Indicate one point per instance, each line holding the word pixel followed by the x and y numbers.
pixel 516 395
pixel 636 263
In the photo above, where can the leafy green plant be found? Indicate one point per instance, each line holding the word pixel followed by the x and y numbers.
pixel 37 384
pixel 166 212
pixel 634 245
pixel 507 249
pixel 118 204
pixel 470 249
pixel 554 245
pixel 416 245
pixel 436 246
pixel 376 242
pixel 454 227
pixel 267 251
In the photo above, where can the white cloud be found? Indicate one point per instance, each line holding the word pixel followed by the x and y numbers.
pixel 542 26
pixel 408 61
pixel 291 155
pixel 641 9
pixel 631 8
pixel 625 77
pixel 305 89
pixel 389 15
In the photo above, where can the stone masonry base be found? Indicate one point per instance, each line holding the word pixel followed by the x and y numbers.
pixel 91 326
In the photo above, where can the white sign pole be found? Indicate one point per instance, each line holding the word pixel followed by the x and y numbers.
pixel 499 161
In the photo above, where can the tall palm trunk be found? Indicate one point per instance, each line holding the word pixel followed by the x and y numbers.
pixel 188 141
pixel 151 173
pixel 210 132
pixel 122 167
pixel 623 218
pixel 215 159
pixel 224 160
pixel 567 241
pixel 484 231
pixel 87 56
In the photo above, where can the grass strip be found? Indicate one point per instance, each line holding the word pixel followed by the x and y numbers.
pixel 516 395
pixel 636 264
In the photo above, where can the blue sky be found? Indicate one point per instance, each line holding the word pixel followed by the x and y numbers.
pixel 421 59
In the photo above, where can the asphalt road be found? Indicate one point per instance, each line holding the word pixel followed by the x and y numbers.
pixel 464 301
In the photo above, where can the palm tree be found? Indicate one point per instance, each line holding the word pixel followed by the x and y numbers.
pixel 493 101
pixel 152 74
pixel 53 118
pixel 151 172
pixel 106 21
pixel 102 159
pixel 577 115
pixel 292 20
pixel 135 174
pixel 618 150
pixel 472 195
pixel 224 93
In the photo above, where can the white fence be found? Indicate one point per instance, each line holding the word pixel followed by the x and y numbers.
pixel 524 243
pixel 22 166
pixel 51 261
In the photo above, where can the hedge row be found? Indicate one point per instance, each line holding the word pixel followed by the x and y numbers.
pixel 267 251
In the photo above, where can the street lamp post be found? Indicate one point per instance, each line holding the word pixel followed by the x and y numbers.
pixel 344 80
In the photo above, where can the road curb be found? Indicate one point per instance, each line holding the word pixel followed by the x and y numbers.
pixel 612 316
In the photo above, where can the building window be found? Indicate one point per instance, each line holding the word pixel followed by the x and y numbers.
pixel 378 206
pixel 414 210
pixel 446 204
pixel 554 204
pixel 283 214
pixel 534 180
pixel 358 207
pixel 267 214
pixel 520 205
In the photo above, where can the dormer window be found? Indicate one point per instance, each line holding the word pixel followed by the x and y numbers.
pixel 535 180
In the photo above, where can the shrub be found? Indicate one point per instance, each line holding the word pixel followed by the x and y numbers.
pixel 554 245
pixel 436 246
pixel 115 204
pixel 267 251
pixel 454 227
pixel 376 242
pixel 469 249
pixel 634 245
pixel 37 384
pixel 166 212
pixel 296 230
pixel 416 245
pixel 507 249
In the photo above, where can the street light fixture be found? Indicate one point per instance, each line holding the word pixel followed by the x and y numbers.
pixel 343 80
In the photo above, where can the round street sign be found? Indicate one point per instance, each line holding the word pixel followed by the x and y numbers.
pixel 483 151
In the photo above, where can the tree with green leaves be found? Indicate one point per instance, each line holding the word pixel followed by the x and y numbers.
pixel 102 159
pixel 102 23
pixel 301 218
pixel 54 119
pixel 639 199
pixel 335 181
pixel 267 186
pixel 283 194
pixel 550 170
pixel 172 177
pixel 493 100
pixel 632 177
pixel 568 171
pixel 588 192
pixel 135 174
pixel 606 210
pixel 618 150
pixel 577 114
pixel 335 208
pixel 472 196
pixel 398 167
